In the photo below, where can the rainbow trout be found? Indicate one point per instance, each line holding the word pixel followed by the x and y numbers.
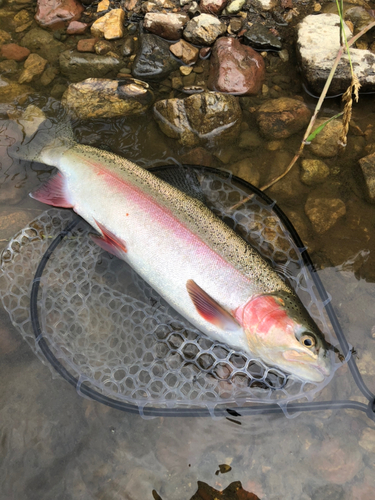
pixel 201 267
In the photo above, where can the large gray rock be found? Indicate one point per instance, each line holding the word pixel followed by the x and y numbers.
pixel 103 98
pixel 154 60
pixel 78 66
pixel 204 29
pixel 318 43
pixel 368 169
pixel 203 118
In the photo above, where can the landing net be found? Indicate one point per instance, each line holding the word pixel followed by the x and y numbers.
pixel 116 336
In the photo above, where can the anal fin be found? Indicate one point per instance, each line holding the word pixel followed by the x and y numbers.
pixel 53 192
pixel 109 242
pixel 209 309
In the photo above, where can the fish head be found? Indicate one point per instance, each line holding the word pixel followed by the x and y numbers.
pixel 280 331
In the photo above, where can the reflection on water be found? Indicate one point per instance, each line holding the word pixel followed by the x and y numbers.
pixel 56 445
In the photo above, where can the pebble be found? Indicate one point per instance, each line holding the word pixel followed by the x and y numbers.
pixel 169 25
pixel 8 67
pixel 198 156
pixel 12 93
pixel 14 52
pixel 76 28
pixel 283 117
pixel 186 70
pixel 4 37
pixel 235 6
pixel 313 172
pixel 128 47
pixel 185 51
pixel 43 43
pixel 58 90
pixel 324 212
pixel 103 5
pixel 48 76
pixel 34 66
pixel 325 144
pixel 204 29
pixel 249 139
pixel 21 18
pixel 367 165
pixel 110 26
pixel 212 6
pixel 246 170
pixel 284 55
pixel 102 47
pixel 87 45
pixel 259 37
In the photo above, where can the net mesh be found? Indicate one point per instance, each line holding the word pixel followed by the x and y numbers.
pixel 115 334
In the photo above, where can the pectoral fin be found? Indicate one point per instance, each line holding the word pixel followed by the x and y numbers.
pixel 109 242
pixel 209 309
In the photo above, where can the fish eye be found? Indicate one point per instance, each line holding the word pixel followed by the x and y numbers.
pixel 308 341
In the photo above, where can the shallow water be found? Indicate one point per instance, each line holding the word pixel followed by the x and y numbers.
pixel 57 445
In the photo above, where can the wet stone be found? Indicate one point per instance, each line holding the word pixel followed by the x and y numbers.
pixel 128 47
pixel 78 66
pixel 48 76
pixel 167 25
pixel 246 170
pixel 87 45
pixel 212 6
pixel 4 37
pixel 280 118
pixel 103 98
pixel 235 68
pixel 326 143
pixel 185 51
pixel 43 43
pixel 204 29
pixel 102 47
pixel 235 6
pixel 110 26
pixel 14 52
pixel 58 90
pixel 259 37
pixel 313 172
pixel 12 93
pixel 199 118
pixel 324 212
pixel 8 67
pixel 368 169
pixel 56 14
pixel 197 156
pixel 22 17
pixel 76 28
pixel 34 66
pixel 153 61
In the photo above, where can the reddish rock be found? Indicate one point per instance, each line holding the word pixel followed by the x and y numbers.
pixel 167 25
pixel 56 14
pixel 235 68
pixel 280 118
pixel 212 6
pixel 76 28
pixel 14 52
pixel 87 45
pixel 205 52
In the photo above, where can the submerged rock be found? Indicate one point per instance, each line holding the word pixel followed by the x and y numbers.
pixel 34 66
pixel 103 98
pixel 317 46
pixel 324 212
pixel 199 119
pixel 13 93
pixel 326 143
pixel 56 14
pixel 204 29
pixel 154 60
pixel 283 117
pixel 77 66
pixel 212 6
pixel 313 172
pixel 260 37
pixel 43 43
pixel 86 45
pixel 14 52
pixel 235 69
pixel 368 169
pixel 110 26
pixel 245 169
pixel 168 25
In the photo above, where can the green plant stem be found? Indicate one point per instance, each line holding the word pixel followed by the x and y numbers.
pixel 314 116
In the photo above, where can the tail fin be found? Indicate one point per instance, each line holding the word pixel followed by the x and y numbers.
pixel 42 137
